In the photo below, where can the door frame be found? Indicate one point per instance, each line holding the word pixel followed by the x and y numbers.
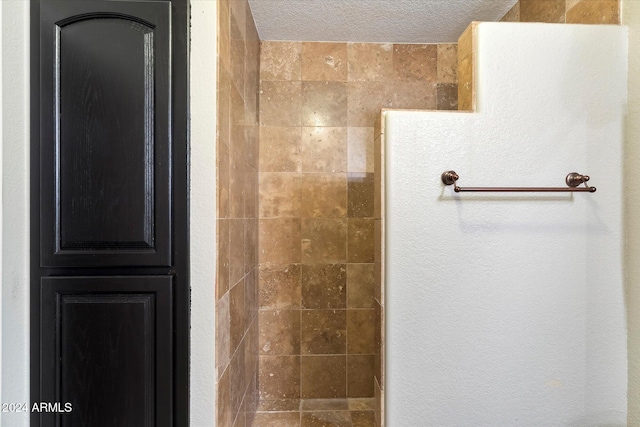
pixel 180 207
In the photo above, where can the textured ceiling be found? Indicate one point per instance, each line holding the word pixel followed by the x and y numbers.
pixel 375 21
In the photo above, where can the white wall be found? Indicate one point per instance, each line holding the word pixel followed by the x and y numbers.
pixel 203 210
pixel 14 252
pixel 631 18
pixel 508 309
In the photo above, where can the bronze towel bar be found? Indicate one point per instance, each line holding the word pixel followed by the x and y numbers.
pixel 573 180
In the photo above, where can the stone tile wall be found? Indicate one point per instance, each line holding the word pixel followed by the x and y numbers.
pixel 318 105
pixel 237 223
pixel 565 11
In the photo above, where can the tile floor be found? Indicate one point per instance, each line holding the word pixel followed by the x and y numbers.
pixel 315 413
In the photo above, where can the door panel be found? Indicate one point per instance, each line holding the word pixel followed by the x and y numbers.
pixel 109 230
pixel 108 350
pixel 106 148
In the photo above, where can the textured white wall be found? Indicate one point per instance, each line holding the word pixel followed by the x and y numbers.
pixel 372 21
pixel 203 210
pixel 631 18
pixel 508 309
pixel 15 208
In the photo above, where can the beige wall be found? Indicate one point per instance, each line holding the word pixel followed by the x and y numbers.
pixel 237 224
pixel 631 18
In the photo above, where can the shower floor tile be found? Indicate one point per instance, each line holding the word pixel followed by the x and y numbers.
pixel 315 413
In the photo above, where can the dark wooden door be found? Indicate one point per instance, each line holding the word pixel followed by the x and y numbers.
pixel 109 286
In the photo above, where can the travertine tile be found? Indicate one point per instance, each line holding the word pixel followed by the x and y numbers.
pixel 251 361
pixel 447 63
pixel 251 86
pixel 324 61
pixel 280 103
pixel 223 95
pixel 280 60
pixel 324 286
pixel 236 122
pixel 222 273
pixel 360 375
pixel 466 71
pixel 593 12
pixel 236 315
pixel 362 418
pixel 324 405
pixel 323 332
pixel 279 405
pixel 466 40
pixel 279 377
pixel 315 383
pixel 447 96
pixel 276 419
pixel 224 412
pixel 466 90
pixel 238 13
pixel 250 181
pixel 360 149
pixel 253 397
pixel 241 417
pixel 361 240
pixel 361 403
pixel 324 240
pixel 280 149
pixel 513 15
pixel 251 144
pixel 360 285
pixel 223 335
pixel 251 298
pixel 379 409
pixel 370 61
pixel 279 332
pixel 236 185
pixel 236 251
pixel 224 33
pixel 324 149
pixel 360 190
pixel 324 103
pixel 378 161
pixel 250 244
pixel 326 418
pixel 415 62
pixel 542 11
pixel 360 332
pixel 414 95
pixel 324 195
pixel 237 232
pixel 379 295
pixel 237 55
pixel 366 99
pixel 252 31
pixel 280 195
pixel 280 286
pixel 279 241
pixel 378 362
pixel 237 382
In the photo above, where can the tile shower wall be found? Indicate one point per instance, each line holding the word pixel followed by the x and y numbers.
pixel 317 279
pixel 237 220
pixel 565 11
